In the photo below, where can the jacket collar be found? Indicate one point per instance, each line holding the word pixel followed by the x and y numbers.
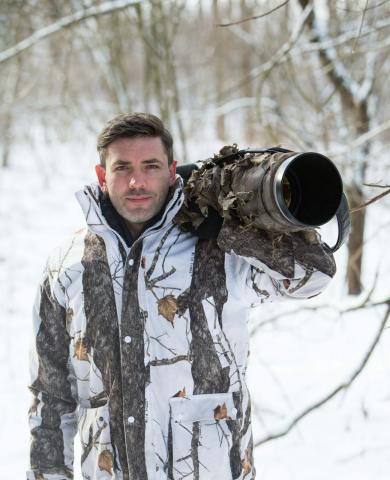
pixel 90 198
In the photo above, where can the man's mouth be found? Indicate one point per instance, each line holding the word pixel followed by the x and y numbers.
pixel 138 199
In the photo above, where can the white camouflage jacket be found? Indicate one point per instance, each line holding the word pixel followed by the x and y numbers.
pixel 144 349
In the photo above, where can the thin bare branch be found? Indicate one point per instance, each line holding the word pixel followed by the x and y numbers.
pixel 335 68
pixel 376 185
pixel 360 27
pixel 277 58
pixel 372 200
pixel 331 42
pixel 371 7
pixel 365 302
pixel 365 137
pixel 344 37
pixel 369 77
pixel 255 17
pixel 65 22
pixel 343 386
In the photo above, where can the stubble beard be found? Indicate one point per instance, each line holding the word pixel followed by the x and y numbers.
pixel 140 216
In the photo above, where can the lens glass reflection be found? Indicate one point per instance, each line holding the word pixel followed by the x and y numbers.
pixel 286 192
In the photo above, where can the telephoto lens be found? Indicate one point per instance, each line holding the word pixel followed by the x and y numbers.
pixel 272 189
pixel 291 191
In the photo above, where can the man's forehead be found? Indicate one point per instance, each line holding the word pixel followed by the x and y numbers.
pixel 138 148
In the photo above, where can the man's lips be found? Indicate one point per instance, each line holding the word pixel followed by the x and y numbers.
pixel 138 199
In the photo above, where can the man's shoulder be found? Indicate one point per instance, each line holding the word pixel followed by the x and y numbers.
pixel 63 264
pixel 67 252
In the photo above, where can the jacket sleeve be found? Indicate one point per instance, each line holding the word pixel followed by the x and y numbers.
pixel 277 265
pixel 52 415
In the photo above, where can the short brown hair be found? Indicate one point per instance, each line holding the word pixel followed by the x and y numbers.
pixel 133 125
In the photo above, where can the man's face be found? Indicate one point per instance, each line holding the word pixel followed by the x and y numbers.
pixel 137 179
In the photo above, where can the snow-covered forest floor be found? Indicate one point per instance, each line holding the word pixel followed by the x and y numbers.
pixel 295 360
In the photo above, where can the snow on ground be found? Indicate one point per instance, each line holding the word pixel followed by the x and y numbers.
pixel 295 361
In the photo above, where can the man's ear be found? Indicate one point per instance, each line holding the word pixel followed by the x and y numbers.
pixel 172 173
pixel 101 175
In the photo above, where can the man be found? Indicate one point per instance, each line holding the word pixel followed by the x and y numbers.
pixel 140 327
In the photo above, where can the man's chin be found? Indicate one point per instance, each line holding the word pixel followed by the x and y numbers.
pixel 139 219
pixel 138 216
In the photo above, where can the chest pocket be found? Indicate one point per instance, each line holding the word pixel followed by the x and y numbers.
pixel 201 434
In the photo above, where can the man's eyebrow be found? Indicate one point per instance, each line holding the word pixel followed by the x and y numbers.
pixel 127 162
pixel 120 162
pixel 152 160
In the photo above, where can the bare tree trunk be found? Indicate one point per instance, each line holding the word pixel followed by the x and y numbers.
pixel 355 241
pixel 158 78
pixel 171 73
pixel 5 153
pixel 8 118
pixel 147 64
pixel 246 66
pixel 356 198
pixel 219 58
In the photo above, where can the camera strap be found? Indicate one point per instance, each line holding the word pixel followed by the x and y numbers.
pixel 343 223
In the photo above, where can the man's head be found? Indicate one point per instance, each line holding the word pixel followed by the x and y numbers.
pixel 133 125
pixel 136 166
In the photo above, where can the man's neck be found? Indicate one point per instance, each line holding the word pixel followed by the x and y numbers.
pixel 135 229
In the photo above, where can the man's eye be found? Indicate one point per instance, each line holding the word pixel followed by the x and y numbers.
pixel 121 167
pixel 152 167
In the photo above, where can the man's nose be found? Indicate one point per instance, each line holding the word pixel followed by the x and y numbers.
pixel 137 181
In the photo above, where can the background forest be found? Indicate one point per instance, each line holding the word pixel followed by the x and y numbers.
pixel 309 75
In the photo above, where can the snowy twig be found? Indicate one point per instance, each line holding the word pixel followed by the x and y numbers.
pixel 369 305
pixel 277 57
pixel 344 38
pixel 376 185
pixel 366 303
pixel 363 303
pixel 372 200
pixel 327 43
pixel 343 386
pixel 371 7
pixel 255 17
pixel 337 73
pixel 360 27
pixel 365 137
pixel 66 22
